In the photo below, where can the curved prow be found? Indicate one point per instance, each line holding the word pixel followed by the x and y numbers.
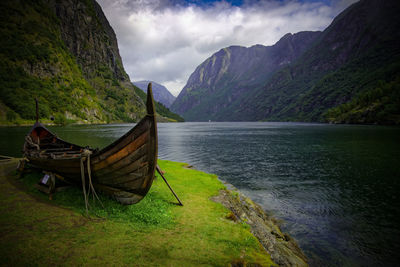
pixel 150 101
pixel 37 110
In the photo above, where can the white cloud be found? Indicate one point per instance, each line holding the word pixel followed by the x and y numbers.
pixel 165 42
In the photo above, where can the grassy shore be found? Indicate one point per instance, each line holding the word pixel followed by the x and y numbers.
pixel 156 231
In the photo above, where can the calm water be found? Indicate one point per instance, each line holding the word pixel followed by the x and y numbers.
pixel 336 187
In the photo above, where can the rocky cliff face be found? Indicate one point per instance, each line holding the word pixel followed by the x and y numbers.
pixel 160 92
pixel 356 55
pixel 65 53
pixel 88 35
pixel 231 72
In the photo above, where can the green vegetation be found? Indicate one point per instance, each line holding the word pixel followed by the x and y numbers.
pixel 298 93
pixel 344 86
pixel 155 231
pixel 40 59
pixel 160 108
pixel 378 105
pixel 34 63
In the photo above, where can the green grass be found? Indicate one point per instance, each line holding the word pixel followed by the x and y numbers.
pixel 154 232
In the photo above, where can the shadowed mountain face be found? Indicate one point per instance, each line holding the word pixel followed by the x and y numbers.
pixel 160 92
pixel 228 75
pixel 347 73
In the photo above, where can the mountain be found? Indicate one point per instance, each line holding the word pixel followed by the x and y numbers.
pixel 65 53
pixel 166 114
pixel 228 75
pixel 160 92
pixel 348 73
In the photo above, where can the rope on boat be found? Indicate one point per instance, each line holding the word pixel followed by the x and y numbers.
pixel 29 140
pixel 85 155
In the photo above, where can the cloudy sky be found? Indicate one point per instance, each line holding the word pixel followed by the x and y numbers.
pixel 165 40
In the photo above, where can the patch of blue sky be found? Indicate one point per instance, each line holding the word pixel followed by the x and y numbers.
pixel 210 2
pixel 238 3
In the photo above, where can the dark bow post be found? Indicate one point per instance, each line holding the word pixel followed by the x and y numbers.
pixel 37 110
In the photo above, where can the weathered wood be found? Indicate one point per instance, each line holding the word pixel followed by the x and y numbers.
pixel 49 187
pixel 151 110
pixel 56 163
pixel 138 130
pixel 124 197
pixel 37 110
pixel 153 143
pixel 5 157
pixel 113 177
pixel 126 161
pixel 131 147
pixel 42 188
pixel 123 180
pixel 125 169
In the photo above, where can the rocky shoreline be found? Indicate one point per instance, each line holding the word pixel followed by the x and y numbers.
pixel 283 249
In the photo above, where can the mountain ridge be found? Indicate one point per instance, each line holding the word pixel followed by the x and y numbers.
pixel 358 51
pixel 224 71
pixel 160 92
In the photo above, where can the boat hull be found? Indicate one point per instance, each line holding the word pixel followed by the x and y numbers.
pixel 124 170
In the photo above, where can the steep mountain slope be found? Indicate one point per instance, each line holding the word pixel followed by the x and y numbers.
pixel 358 51
pixel 65 53
pixel 229 74
pixel 160 92
pixel 358 54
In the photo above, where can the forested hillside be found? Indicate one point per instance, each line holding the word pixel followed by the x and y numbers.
pixel 64 53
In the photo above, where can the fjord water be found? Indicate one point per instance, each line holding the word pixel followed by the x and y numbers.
pixel 335 187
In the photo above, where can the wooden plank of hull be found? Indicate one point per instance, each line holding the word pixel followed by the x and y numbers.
pixel 122 196
pixel 115 177
pixel 135 181
pixel 131 158
pixel 136 186
pixel 125 151
pixel 138 130
pixel 138 174
pixel 73 166
pixel 69 171
pixel 65 165
pixel 132 185
pixel 56 164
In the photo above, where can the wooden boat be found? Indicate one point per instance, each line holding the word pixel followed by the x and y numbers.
pixel 124 170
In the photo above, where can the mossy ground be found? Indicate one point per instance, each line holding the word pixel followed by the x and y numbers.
pixel 156 231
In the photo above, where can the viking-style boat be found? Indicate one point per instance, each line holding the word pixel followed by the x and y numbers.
pixel 124 170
